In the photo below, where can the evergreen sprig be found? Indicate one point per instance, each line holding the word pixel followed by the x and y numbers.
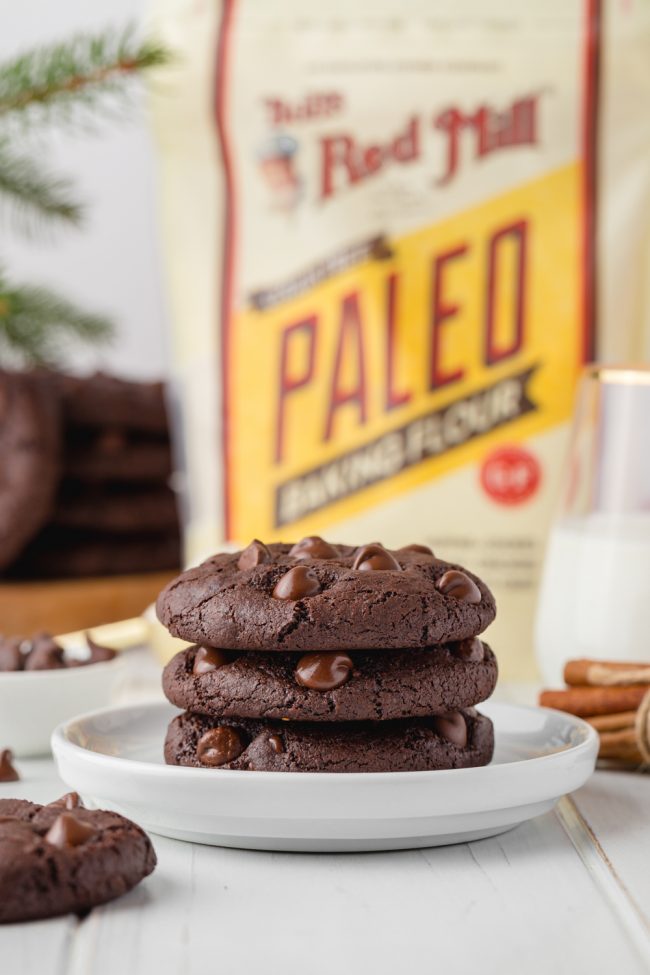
pixel 33 193
pixel 67 83
pixel 36 323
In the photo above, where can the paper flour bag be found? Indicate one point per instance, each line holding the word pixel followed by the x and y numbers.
pixel 394 232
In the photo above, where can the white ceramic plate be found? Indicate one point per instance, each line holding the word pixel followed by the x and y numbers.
pixel 113 758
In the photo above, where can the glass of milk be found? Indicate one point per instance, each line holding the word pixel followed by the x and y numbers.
pixel 595 594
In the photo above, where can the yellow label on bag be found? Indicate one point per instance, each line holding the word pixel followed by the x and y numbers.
pixel 407 365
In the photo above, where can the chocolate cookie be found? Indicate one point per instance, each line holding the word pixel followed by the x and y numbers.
pixel 29 444
pixel 461 740
pixel 62 858
pixel 111 455
pixel 67 553
pixel 100 400
pixel 117 508
pixel 331 686
pixel 317 596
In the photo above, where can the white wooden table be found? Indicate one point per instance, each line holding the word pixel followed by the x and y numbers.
pixel 566 893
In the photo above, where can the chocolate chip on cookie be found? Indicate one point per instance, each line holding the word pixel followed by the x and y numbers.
pixel 373 558
pixel 67 830
pixel 218 746
pixel 71 800
pixel 207 659
pixel 452 727
pixel 296 584
pixel 255 554
pixel 324 671
pixel 313 547
pixel 460 586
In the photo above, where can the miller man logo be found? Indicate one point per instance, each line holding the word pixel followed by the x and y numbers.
pixel 347 161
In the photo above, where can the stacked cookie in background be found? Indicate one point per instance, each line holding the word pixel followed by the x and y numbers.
pixel 30 444
pixel 329 658
pixel 113 510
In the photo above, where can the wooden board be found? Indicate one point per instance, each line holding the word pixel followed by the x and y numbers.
pixel 61 606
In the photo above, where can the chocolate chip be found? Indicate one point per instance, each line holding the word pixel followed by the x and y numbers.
pixel 296 583
pixel 453 727
pixel 208 659
pixel 276 744
pixel 7 771
pixel 314 547
pixel 67 831
pixel 457 584
pixel 45 654
pixel 470 650
pixel 98 654
pixel 372 558
pixel 71 800
pixel 218 746
pixel 420 549
pixel 11 658
pixel 255 554
pixel 323 671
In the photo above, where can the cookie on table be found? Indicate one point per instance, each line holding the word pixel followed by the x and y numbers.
pixel 63 859
pixel 331 685
pixel 29 447
pixel 464 739
pixel 101 400
pixel 318 596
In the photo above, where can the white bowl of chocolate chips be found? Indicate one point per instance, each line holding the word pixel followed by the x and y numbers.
pixel 43 684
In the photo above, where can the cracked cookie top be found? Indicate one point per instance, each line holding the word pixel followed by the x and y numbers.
pixel 314 595
pixel 63 858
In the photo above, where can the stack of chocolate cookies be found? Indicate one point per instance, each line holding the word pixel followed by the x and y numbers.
pixel 329 658
pixel 112 509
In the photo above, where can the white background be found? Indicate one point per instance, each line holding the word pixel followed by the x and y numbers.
pixel 113 263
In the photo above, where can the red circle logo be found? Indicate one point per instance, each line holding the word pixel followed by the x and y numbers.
pixel 510 475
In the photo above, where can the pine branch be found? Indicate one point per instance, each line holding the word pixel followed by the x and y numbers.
pixel 87 72
pixel 31 192
pixel 36 324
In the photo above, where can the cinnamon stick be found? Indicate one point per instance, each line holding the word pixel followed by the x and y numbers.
pixel 620 746
pixel 612 722
pixel 592 701
pixel 604 673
